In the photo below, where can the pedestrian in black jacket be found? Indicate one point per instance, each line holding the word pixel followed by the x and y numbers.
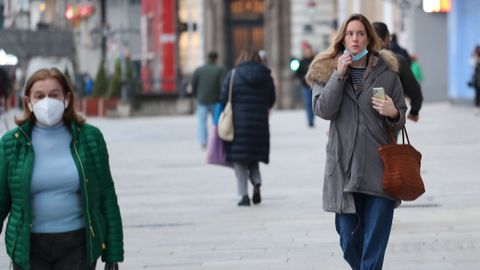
pixel 475 81
pixel 307 58
pixel 411 87
pixel 253 95
pixel 396 48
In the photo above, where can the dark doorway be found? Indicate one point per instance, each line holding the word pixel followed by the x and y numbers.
pixel 244 26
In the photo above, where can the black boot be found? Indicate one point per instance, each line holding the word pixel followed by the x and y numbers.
pixel 257 198
pixel 245 201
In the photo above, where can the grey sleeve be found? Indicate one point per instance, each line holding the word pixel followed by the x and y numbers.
pixel 327 99
pixel 399 102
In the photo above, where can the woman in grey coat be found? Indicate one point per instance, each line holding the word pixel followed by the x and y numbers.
pixel 342 79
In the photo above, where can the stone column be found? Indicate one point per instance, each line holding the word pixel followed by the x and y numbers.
pixel 214 28
pixel 277 45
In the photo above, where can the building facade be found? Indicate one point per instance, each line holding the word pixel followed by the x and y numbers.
pixel 463 36
pixel 168 39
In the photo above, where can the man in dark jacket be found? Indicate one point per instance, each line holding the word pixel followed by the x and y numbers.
pixel 206 84
pixel 5 84
pixel 396 48
pixel 411 88
pixel 302 70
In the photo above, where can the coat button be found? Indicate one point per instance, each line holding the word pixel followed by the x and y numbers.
pixel 16 135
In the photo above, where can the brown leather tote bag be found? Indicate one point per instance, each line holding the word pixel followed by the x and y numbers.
pixel 401 175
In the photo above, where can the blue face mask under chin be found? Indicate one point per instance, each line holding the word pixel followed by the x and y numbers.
pixel 356 57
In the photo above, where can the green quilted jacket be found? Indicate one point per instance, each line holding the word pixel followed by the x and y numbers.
pixel 103 224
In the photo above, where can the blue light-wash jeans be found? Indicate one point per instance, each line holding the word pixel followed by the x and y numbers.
pixel 364 235
pixel 307 101
pixel 202 111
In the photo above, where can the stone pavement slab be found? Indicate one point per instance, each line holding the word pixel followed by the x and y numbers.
pixel 180 213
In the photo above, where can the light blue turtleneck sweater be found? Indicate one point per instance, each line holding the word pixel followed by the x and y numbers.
pixel 55 187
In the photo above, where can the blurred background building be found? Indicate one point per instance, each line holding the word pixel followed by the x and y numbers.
pixel 150 48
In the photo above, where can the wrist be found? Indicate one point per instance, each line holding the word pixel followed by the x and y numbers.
pixel 394 117
pixel 340 75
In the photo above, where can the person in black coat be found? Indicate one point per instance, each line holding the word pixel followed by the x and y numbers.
pixel 253 95
pixel 475 80
pixel 396 48
pixel 411 87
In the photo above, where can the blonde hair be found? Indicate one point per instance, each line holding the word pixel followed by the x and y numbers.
pixel 337 47
pixel 69 114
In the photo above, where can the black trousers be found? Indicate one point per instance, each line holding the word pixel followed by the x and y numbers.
pixel 477 97
pixel 58 251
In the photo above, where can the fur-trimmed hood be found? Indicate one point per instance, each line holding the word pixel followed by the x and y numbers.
pixel 321 69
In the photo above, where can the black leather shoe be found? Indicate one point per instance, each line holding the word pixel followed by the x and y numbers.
pixel 257 198
pixel 245 201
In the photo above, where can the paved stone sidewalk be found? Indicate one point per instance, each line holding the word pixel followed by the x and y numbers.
pixel 180 213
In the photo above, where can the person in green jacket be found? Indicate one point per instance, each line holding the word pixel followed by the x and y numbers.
pixel 416 69
pixel 206 84
pixel 55 184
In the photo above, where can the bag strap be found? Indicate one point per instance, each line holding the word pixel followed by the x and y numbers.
pixel 404 135
pixel 230 86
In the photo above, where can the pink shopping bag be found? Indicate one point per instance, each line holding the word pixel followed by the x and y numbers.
pixel 216 154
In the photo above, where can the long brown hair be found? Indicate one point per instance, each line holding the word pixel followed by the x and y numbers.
pixel 248 54
pixel 337 47
pixel 70 114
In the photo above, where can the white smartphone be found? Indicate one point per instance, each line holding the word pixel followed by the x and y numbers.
pixel 378 92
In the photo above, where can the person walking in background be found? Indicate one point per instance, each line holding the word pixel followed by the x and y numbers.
pixel 342 78
pixel 475 81
pixel 416 69
pixel 411 87
pixel 396 48
pixel 88 84
pixel 5 86
pixel 301 72
pixel 206 84
pixel 55 184
pixel 253 95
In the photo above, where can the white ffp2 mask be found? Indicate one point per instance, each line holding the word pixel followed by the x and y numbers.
pixel 48 111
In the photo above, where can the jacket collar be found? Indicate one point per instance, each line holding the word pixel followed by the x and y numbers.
pixel 322 69
pixel 26 129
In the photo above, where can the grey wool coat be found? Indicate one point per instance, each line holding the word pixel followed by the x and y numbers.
pixel 353 163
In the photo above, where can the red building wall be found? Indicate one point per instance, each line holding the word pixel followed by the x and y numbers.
pixel 160 26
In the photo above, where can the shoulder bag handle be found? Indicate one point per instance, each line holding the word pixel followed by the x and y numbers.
pixel 231 85
pixel 404 135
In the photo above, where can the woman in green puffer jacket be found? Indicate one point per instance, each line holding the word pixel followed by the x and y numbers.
pixel 55 183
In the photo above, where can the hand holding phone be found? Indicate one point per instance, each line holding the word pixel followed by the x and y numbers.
pixel 383 104
pixel 378 92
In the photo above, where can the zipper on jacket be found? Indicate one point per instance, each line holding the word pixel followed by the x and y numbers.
pixel 26 136
pixel 25 212
pixel 86 196
pixel 349 169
